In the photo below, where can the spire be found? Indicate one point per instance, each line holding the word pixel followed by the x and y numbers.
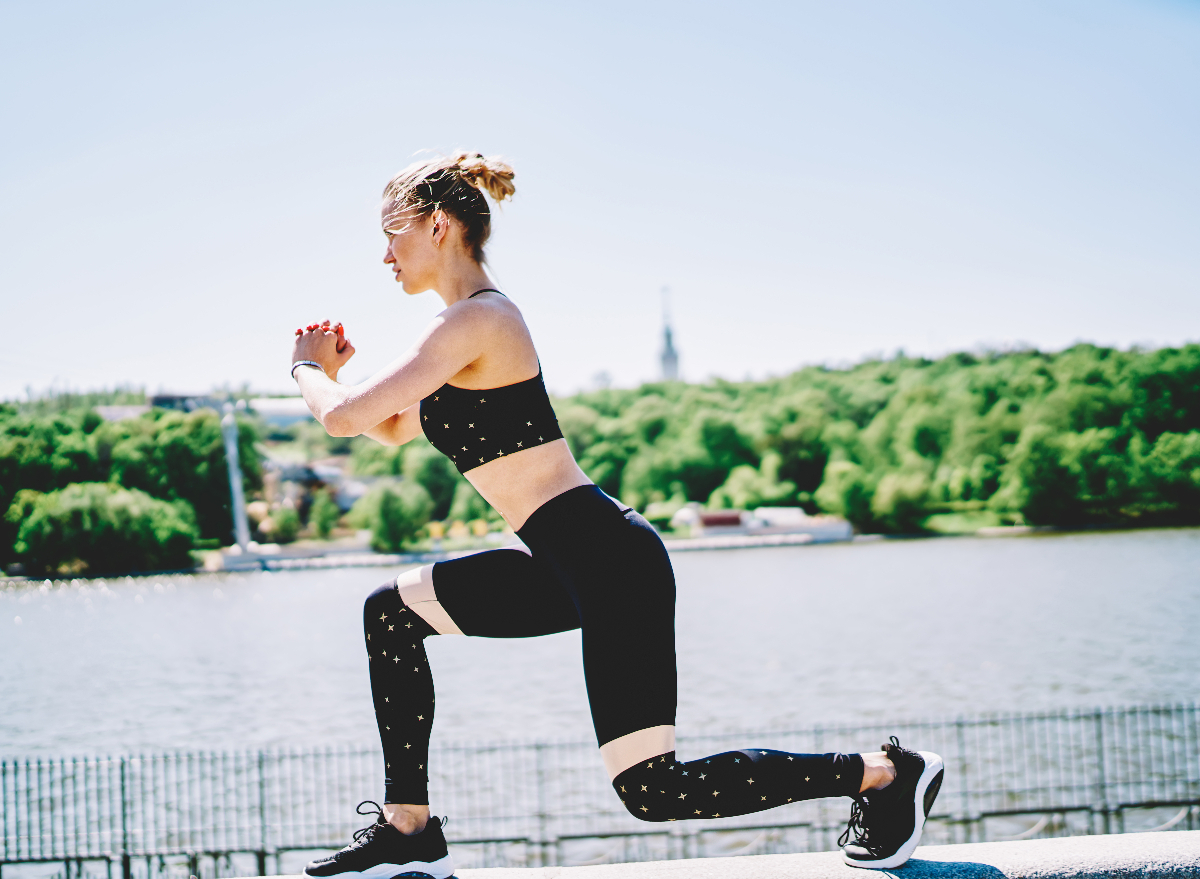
pixel 670 358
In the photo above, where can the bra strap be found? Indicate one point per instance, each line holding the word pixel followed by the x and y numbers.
pixel 485 290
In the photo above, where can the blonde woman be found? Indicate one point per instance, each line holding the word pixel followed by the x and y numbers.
pixel 472 384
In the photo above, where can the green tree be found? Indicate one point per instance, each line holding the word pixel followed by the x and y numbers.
pixel 900 502
pixel 394 512
pixel 847 491
pixel 1171 474
pixel 749 487
pixel 100 528
pixel 286 525
pixel 324 514
pixel 468 505
pixel 1037 483
pixel 433 471
pixel 178 455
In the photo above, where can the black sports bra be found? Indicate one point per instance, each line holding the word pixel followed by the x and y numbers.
pixel 472 427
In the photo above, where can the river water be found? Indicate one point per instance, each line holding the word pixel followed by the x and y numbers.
pixel 766 638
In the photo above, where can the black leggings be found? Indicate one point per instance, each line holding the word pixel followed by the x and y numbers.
pixel 597 568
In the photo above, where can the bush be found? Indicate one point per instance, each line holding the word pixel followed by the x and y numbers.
pixel 395 513
pixel 99 528
pixel 749 487
pixel 178 455
pixel 846 491
pixel 285 525
pixel 468 504
pixel 899 504
pixel 1037 483
pixel 433 471
pixel 323 515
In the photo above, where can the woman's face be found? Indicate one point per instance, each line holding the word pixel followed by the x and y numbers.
pixel 412 254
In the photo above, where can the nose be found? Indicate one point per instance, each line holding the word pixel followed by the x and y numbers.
pixel 388 257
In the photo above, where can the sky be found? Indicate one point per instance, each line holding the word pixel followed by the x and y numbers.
pixel 181 185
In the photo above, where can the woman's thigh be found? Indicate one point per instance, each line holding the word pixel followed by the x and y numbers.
pixel 627 605
pixel 502 593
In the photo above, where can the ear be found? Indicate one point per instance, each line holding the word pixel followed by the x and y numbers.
pixel 439 226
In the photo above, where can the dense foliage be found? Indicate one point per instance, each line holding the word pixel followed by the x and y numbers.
pixel 1088 435
pixel 395 513
pixel 171 456
pixel 100 528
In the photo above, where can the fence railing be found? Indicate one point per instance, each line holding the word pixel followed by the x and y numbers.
pixel 1009 776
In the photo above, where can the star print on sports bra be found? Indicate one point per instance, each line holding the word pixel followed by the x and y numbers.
pixel 472 427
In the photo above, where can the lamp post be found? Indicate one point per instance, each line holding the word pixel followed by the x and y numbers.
pixel 241 529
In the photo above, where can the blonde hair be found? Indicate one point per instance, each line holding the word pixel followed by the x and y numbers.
pixel 454 184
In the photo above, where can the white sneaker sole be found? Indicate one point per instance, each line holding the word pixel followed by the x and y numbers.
pixel 923 799
pixel 443 868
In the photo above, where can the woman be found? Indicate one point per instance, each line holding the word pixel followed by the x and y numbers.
pixel 472 384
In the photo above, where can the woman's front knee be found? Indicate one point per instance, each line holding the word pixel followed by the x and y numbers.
pixel 382 600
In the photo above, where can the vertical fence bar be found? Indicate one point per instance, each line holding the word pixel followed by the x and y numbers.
pixel 126 863
pixel 1101 778
pixel 262 814
pixel 964 787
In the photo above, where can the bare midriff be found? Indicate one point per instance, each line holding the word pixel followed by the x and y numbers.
pixel 519 483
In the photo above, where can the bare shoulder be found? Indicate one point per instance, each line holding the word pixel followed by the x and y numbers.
pixel 507 353
pixel 493 314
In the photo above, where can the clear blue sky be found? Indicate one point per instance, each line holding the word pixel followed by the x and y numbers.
pixel 183 184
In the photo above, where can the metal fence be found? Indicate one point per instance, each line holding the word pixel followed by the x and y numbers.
pixel 1013 776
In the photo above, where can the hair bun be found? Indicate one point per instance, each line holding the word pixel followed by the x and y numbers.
pixel 490 174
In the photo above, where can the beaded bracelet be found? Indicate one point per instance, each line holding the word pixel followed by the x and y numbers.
pixel 311 363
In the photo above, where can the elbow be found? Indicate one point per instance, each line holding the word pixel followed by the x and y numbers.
pixel 337 424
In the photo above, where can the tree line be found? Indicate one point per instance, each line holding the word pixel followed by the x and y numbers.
pixel 1086 436
pixel 86 495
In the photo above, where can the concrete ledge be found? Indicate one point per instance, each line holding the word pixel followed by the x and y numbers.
pixel 1145 855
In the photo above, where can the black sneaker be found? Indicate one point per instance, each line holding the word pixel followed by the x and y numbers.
pixel 887 823
pixel 383 852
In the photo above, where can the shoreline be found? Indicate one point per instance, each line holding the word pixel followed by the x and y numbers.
pixel 365 558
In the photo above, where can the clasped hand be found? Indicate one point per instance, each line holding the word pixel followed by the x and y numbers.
pixel 323 343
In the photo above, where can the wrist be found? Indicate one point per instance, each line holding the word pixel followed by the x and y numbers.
pixel 312 364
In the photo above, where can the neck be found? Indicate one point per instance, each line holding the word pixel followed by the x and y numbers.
pixel 458 281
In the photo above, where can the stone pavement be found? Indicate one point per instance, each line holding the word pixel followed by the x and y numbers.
pixel 1171 854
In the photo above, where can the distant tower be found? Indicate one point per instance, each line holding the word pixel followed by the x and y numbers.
pixel 670 357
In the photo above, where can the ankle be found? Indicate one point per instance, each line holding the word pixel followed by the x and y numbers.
pixel 878 771
pixel 408 819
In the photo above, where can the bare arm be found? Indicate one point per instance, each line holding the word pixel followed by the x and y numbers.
pixel 399 428
pixel 386 405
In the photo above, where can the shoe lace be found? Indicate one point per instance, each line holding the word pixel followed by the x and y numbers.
pixel 364 835
pixel 857 823
pixel 893 744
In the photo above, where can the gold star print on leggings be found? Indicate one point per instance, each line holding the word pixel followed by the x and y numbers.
pixel 733 783
pixel 402 689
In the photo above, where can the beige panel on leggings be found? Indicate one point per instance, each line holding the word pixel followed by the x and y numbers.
pixel 417 593
pixel 629 750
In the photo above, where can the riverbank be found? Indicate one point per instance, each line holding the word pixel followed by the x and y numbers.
pixel 278 558
pixel 356 553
